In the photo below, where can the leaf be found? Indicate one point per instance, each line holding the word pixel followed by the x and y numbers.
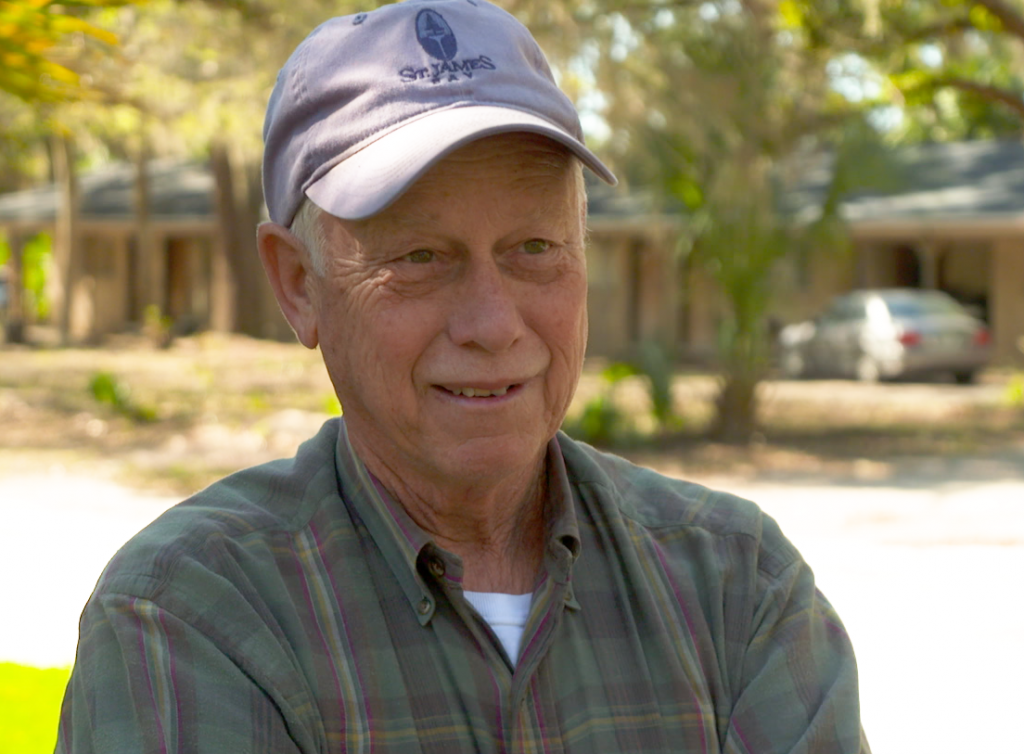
pixel 30 30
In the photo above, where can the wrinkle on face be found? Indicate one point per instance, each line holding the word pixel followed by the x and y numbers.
pixel 484 307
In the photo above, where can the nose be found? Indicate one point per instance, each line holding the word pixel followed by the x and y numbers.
pixel 485 311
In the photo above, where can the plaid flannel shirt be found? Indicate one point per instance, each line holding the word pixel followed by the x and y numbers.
pixel 294 607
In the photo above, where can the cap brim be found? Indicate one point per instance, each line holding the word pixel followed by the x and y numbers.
pixel 369 180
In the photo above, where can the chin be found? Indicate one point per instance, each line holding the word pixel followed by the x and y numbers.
pixel 492 457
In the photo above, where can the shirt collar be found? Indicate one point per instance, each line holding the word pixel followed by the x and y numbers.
pixel 402 541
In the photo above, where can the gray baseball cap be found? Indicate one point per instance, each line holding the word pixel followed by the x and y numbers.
pixel 369 102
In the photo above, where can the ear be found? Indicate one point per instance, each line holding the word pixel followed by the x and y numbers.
pixel 288 268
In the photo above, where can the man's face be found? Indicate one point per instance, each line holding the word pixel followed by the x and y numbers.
pixel 453 323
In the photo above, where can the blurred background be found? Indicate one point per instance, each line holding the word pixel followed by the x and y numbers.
pixel 808 288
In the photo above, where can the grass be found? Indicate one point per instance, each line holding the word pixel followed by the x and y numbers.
pixel 30 701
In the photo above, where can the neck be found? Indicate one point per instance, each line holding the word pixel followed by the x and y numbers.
pixel 495 526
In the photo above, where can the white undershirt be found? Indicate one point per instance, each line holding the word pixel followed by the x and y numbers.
pixel 506 614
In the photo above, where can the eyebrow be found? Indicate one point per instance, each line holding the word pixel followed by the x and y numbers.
pixel 374 227
pixel 415 218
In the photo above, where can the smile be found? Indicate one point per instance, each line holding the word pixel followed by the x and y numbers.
pixel 476 392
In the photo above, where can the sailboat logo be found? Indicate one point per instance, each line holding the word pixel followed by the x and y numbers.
pixel 435 35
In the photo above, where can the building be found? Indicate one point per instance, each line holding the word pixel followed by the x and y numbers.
pixel 176 268
pixel 953 220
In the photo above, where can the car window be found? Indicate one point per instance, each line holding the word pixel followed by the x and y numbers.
pixel 847 309
pixel 922 306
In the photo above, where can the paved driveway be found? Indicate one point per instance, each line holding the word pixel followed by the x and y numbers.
pixel 926 570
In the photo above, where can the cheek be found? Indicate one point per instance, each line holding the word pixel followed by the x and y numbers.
pixel 573 305
pixel 565 328
pixel 389 340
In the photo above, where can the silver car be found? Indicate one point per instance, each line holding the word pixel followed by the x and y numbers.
pixel 870 335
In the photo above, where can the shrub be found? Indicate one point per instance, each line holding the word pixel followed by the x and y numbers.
pixel 107 389
pixel 601 422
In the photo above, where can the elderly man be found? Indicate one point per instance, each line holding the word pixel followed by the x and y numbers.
pixel 443 571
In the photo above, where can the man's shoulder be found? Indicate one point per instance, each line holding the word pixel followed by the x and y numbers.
pixel 657 501
pixel 247 510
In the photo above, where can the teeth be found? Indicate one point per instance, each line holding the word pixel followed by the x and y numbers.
pixel 470 392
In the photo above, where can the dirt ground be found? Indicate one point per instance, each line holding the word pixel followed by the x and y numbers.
pixel 907 500
pixel 211 404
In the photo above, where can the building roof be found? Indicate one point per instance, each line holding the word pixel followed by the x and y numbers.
pixel 956 182
pixel 941 183
pixel 177 190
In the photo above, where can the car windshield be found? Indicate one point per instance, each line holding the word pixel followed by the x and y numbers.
pixel 922 306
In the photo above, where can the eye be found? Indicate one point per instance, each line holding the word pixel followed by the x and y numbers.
pixel 420 256
pixel 536 246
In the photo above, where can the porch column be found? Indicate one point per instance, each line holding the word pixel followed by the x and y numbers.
pixel 864 253
pixel 874 264
pixel 928 256
pixel 1006 300
pixel 149 260
pixel 121 312
pixel 222 288
pixel 67 254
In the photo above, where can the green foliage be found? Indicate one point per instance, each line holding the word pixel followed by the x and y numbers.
pixel 110 391
pixel 331 405
pixel 157 327
pixel 655 365
pixel 616 372
pixel 35 262
pixel 954 67
pixel 1014 395
pixel 30 32
pixel 706 102
pixel 602 422
pixel 257 402
pixel 30 700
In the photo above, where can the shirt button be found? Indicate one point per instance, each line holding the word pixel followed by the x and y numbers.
pixel 424 606
pixel 437 567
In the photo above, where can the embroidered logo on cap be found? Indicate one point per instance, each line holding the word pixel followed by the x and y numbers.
pixel 435 35
pixel 438 40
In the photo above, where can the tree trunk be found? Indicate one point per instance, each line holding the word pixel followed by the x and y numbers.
pixel 147 262
pixel 65 247
pixel 736 417
pixel 239 200
pixel 745 363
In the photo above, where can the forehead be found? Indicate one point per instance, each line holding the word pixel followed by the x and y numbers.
pixel 523 182
pixel 530 153
pixel 526 170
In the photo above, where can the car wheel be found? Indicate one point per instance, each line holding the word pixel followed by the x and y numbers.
pixel 965 378
pixel 866 369
pixel 793 365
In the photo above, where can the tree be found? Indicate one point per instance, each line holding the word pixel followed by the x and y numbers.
pixel 708 101
pixel 956 68
pixel 188 79
pixel 33 34
pixel 192 80
pixel 36 39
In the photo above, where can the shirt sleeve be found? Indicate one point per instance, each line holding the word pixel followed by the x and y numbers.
pixel 146 681
pixel 799 677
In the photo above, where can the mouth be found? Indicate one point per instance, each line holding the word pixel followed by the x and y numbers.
pixel 479 393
